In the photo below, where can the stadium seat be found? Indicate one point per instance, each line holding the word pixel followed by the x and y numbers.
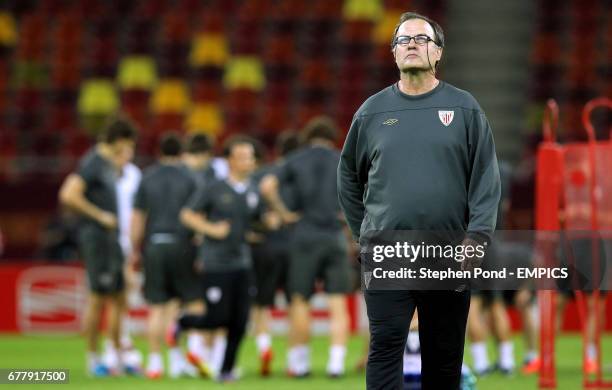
pixel 211 22
pixel 135 103
pixel 190 7
pixel 104 55
pixel 139 37
pixel 8 31
pixel 209 49
pixel 171 96
pixel 397 4
pixel 362 10
pixel 97 97
pixel 149 10
pixel 205 118
pixel 356 38
pixel 176 27
pixel 68 32
pixel 253 10
pixel 244 72
pixel 274 119
pixel 60 118
pixel 385 26
pixel 29 74
pixel 279 49
pixel 137 72
pixel 65 76
pixel 326 10
pixel 206 91
pixel 163 122
pixel 315 73
pixel 240 100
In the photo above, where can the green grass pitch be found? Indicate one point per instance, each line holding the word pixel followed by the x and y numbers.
pixel 68 352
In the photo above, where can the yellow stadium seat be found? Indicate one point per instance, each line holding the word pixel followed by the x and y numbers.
pixel 244 72
pixel 8 32
pixel 98 97
pixel 362 10
pixel 137 72
pixel 383 31
pixel 209 49
pixel 170 96
pixel 205 118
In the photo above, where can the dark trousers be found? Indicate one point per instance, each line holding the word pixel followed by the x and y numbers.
pixel 229 296
pixel 442 323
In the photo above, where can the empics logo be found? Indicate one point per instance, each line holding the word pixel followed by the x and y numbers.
pixel 390 122
pixel 446 117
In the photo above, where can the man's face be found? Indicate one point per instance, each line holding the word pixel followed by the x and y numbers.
pixel 123 151
pixel 414 57
pixel 241 159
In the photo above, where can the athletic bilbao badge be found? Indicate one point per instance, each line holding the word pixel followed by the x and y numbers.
pixel 446 117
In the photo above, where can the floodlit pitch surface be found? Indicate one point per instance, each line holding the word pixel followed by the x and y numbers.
pixel 68 352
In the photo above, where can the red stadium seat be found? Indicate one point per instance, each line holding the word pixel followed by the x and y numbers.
pixel 162 123
pixel 206 91
pixel 135 103
pixel 61 118
pixel 279 50
pixel 316 73
pixel 324 9
pixel 176 26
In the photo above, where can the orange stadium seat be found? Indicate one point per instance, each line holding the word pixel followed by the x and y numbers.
pixel 205 118
pixel 8 30
pixel 385 26
pixel 209 49
pixel 171 96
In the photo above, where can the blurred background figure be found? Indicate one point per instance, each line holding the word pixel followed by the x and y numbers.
pixel 271 255
pixel 318 249
pixel 91 192
pixel 59 240
pixel 211 69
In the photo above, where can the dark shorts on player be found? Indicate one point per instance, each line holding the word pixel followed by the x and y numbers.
pixel 228 294
pixel 322 256
pixel 490 296
pixel 270 263
pixel 103 259
pixel 169 272
pixel 578 254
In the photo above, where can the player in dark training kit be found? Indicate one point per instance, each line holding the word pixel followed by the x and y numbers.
pixel 198 157
pixel 318 248
pixel 271 258
pixel 91 191
pixel 223 211
pixel 165 243
pixel 419 156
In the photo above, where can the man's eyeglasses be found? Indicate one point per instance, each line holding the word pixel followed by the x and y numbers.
pixel 404 40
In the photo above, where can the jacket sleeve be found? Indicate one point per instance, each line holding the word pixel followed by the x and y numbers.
pixel 353 176
pixel 484 189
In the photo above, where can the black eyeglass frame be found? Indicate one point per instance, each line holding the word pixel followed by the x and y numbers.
pixel 425 39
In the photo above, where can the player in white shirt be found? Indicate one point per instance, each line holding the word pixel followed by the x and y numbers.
pixel 126 189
